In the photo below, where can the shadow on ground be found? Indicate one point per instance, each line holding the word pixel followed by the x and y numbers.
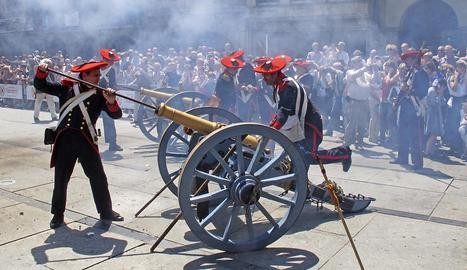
pixel 88 242
pixel 277 258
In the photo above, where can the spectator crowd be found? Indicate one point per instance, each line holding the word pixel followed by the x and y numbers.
pixel 356 95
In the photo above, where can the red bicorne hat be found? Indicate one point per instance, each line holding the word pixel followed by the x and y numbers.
pixel 411 53
pixel 261 60
pixel 109 55
pixel 89 66
pixel 231 62
pixel 271 66
pixel 237 54
pixel 302 63
pixel 286 58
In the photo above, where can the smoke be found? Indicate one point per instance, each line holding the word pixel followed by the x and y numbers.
pixel 202 22
pixel 82 27
pixel 79 27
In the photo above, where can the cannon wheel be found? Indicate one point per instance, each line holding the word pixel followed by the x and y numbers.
pixel 174 143
pixel 251 213
pixel 196 99
pixel 153 126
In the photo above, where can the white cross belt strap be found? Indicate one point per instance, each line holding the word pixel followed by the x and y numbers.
pixel 294 127
pixel 73 102
pixel 86 115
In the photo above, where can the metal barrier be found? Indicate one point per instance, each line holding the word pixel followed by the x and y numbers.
pixel 22 96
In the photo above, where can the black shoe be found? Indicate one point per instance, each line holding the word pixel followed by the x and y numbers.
pixel 54 118
pixel 115 147
pixel 56 221
pixel 417 167
pixel 397 161
pixel 112 216
pixel 347 162
pixel 36 120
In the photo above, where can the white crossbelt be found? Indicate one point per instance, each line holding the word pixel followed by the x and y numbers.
pixel 86 116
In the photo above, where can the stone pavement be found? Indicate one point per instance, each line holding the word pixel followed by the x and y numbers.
pixel 419 220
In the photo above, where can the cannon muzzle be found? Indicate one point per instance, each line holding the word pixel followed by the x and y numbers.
pixel 166 96
pixel 196 123
pixel 155 94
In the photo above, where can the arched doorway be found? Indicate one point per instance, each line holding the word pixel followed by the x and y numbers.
pixel 429 22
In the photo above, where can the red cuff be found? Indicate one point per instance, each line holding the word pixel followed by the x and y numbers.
pixel 41 74
pixel 113 107
pixel 276 124
pixel 68 82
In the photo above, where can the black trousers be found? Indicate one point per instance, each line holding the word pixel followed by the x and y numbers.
pixel 411 140
pixel 72 146
pixel 309 148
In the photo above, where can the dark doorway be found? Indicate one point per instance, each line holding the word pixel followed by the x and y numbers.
pixel 429 22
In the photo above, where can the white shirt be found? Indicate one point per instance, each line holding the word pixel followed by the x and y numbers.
pixel 461 90
pixel 358 87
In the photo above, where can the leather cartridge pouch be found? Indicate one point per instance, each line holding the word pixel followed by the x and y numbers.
pixel 49 135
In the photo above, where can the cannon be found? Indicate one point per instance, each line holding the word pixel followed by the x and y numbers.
pixel 233 188
pixel 152 126
pixel 239 180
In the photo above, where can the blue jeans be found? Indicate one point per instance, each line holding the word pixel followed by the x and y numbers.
pixel 110 134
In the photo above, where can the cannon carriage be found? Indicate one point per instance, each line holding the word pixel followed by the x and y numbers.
pixel 241 186
pixel 230 184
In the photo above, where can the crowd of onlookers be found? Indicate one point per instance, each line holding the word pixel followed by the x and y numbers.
pixel 337 76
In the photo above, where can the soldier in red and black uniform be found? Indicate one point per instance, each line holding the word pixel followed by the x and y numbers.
pixel 226 86
pixel 297 118
pixel 76 136
pixel 265 102
pixel 411 118
pixel 248 88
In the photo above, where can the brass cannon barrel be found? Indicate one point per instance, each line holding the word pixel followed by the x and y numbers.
pixel 196 123
pixel 156 94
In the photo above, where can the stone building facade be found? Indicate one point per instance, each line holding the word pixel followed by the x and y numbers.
pixel 259 26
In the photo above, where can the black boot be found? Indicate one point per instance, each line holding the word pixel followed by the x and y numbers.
pixel 347 162
pixel 56 221
pixel 111 216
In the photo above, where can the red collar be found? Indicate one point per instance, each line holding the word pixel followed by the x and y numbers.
pixel 280 84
